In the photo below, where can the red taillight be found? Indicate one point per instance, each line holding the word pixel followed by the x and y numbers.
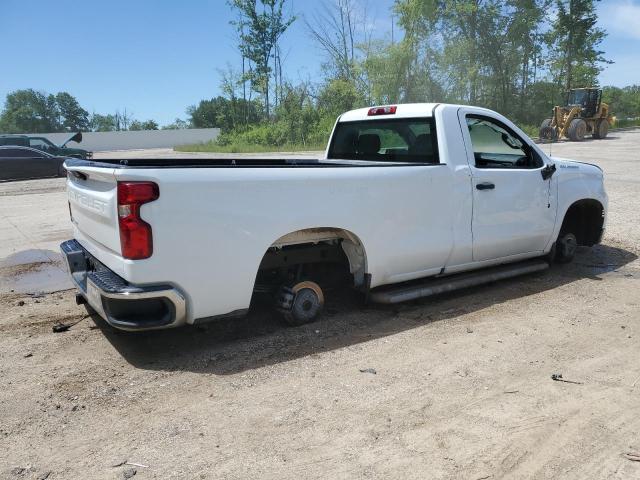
pixel 136 238
pixel 389 110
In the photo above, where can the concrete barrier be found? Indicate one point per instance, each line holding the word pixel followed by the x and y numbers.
pixel 102 141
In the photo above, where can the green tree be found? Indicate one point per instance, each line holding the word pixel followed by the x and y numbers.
pixel 574 41
pixel 72 117
pixel 146 125
pixel 337 96
pixel 103 123
pixel 178 124
pixel 259 29
pixel 624 102
pixel 226 114
pixel 30 111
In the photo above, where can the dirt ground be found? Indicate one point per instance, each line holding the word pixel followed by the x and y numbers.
pixel 456 387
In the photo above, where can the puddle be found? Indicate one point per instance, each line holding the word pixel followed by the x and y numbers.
pixel 33 271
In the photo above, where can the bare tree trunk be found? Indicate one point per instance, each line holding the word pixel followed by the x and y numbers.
pixel 245 112
pixel 569 54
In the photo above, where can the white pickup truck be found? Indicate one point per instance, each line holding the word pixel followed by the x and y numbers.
pixel 409 200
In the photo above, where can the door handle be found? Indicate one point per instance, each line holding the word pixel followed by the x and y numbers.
pixel 485 186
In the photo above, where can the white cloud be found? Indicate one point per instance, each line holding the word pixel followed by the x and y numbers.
pixel 621 17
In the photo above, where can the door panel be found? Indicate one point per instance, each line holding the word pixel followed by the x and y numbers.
pixel 513 207
pixel 513 218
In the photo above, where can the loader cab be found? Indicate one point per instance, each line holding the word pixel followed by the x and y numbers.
pixel 586 98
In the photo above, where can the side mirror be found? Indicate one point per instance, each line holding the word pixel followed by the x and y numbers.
pixel 548 171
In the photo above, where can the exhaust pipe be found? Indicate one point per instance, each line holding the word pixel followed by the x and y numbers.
pixel 398 294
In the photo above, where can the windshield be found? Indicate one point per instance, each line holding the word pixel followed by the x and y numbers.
pixel 396 140
pixel 578 97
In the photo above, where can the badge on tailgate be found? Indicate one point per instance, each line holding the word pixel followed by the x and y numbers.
pixel 89 202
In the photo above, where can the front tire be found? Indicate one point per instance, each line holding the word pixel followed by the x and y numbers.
pixel 547 132
pixel 566 247
pixel 577 130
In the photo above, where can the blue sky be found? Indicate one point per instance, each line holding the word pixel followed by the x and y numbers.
pixel 156 57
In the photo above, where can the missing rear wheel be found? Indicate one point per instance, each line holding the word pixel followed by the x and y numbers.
pixel 300 304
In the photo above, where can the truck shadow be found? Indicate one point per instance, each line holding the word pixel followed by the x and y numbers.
pixel 260 339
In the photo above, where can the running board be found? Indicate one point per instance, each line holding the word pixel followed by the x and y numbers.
pixel 429 287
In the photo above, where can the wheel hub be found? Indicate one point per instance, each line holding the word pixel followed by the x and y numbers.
pixel 568 245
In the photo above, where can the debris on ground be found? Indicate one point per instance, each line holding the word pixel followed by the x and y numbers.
pixel 45 475
pixel 558 378
pixel 21 303
pixel 634 457
pixel 368 370
pixel 60 327
pixel 64 327
pixel 129 473
pixel 128 463
pixel 28 355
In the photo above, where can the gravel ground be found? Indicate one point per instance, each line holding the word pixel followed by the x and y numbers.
pixel 454 387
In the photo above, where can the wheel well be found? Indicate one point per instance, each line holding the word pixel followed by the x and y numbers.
pixel 325 253
pixel 585 219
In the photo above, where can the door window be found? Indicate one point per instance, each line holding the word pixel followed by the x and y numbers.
pixel 496 146
pixel 39 144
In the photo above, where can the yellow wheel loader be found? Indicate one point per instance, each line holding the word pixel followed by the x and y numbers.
pixel 584 114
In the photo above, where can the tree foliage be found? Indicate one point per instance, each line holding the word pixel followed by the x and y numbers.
pixel 514 56
pixel 224 113
pixel 574 40
pixel 146 125
pixel 517 57
pixel 260 26
pixel 72 117
pixel 30 111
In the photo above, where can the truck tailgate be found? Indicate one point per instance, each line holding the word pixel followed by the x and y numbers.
pixel 93 203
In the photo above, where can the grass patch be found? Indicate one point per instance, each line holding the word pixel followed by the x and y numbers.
pixel 623 123
pixel 213 147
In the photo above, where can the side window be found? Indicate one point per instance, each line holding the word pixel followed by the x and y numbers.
pixel 496 146
pixel 39 144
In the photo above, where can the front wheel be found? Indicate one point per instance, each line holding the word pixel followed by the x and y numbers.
pixel 547 132
pixel 566 247
pixel 577 130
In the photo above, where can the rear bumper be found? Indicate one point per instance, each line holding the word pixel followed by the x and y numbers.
pixel 121 304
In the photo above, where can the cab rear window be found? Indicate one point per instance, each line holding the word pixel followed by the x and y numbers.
pixel 395 140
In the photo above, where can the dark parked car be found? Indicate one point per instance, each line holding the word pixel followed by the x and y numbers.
pixel 46 145
pixel 24 163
